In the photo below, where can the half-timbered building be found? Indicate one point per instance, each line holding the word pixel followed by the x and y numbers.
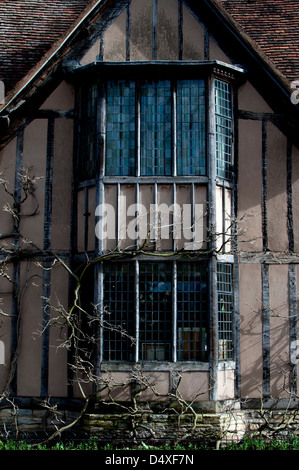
pixel 149 152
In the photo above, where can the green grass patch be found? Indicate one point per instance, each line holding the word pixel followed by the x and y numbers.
pixel 247 444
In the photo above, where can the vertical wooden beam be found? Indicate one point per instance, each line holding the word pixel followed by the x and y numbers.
pixel 137 318
pixel 101 157
pixel 290 196
pixel 101 48
pixel 266 330
pixel 293 327
pixel 45 330
pixel 211 164
pixel 48 185
pixel 180 27
pixel 206 44
pixel 86 217
pixel 15 313
pixel 174 311
pixel 264 186
pixel 74 216
pixel 155 5
pixel 15 318
pixel 235 248
pixel 47 270
pixel 76 156
pixel 236 327
pixel 100 199
pixel 128 33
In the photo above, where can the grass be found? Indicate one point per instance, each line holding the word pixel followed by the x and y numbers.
pixel 247 444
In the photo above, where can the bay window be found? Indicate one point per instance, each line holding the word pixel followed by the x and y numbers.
pixel 153 128
pixel 158 311
pixel 149 140
pixel 160 308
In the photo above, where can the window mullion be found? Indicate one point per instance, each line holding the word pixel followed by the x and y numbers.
pixel 99 301
pixel 174 218
pixel 155 221
pixel 102 105
pixel 137 215
pixel 101 147
pixel 118 216
pixel 137 311
pixel 138 126
pixel 174 311
pixel 174 127
pixel 213 301
pixel 193 214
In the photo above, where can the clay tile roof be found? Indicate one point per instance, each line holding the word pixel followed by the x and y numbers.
pixel 28 29
pixel 274 26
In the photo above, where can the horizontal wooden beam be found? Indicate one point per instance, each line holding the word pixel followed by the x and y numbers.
pixel 269 257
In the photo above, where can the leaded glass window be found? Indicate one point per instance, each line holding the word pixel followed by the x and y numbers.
pixel 148 124
pixel 155 141
pixel 118 315
pixel 88 132
pixel 152 296
pixel 192 322
pixel 146 131
pixel 155 309
pixel 191 155
pixel 120 134
pixel 225 310
pixel 223 121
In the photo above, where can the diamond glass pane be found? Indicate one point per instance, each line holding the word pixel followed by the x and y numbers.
pixel 223 117
pixel 120 137
pixel 192 307
pixel 225 310
pixel 155 138
pixel 119 308
pixel 155 307
pixel 191 158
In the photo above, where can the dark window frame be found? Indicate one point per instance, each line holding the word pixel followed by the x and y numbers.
pixel 171 314
pixel 103 72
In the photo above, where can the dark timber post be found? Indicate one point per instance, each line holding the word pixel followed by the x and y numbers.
pixel 47 272
pixel 211 158
pixel 16 269
pixel 99 241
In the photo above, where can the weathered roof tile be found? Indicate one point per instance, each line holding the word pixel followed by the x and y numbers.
pixel 28 29
pixel 274 26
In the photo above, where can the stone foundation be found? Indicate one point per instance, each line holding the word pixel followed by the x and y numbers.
pixel 168 428
pixel 124 428
pixel 33 423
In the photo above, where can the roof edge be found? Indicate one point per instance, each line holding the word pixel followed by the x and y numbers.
pixel 55 48
pixel 15 97
pixel 253 47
